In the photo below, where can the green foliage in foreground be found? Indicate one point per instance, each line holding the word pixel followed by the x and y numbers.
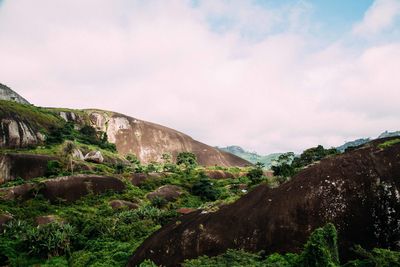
pixel 320 251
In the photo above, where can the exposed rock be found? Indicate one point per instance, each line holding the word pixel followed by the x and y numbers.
pixel 68 188
pixel 148 141
pixel 119 204
pixel 185 210
pixel 168 192
pixel 94 156
pixel 46 219
pixel 219 174
pixel 71 188
pixel 139 178
pixel 25 166
pixel 357 191
pixel 7 94
pixel 5 218
pixel 16 133
pixel 19 192
pixel 77 154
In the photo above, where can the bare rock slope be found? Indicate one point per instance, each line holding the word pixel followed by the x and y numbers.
pixel 357 191
pixel 7 94
pixel 148 141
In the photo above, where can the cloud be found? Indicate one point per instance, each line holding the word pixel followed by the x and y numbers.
pixel 380 16
pixel 261 82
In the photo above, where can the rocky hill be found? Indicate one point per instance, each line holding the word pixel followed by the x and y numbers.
pixel 7 94
pixel 23 126
pixel 357 191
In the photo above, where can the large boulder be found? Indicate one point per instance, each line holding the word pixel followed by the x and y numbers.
pixel 18 192
pixel 25 166
pixel 68 188
pixel 121 204
pixel 94 156
pixel 219 174
pixel 167 192
pixel 138 179
pixel 4 218
pixel 71 188
pixel 149 140
pixel 357 191
pixel 46 219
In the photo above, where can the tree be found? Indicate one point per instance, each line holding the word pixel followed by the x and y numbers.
pixel 187 159
pixel 68 150
pixel 204 188
pixel 284 166
pixel 256 174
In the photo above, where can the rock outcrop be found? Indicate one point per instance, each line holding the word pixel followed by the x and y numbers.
pixel 148 141
pixel 219 174
pixel 167 192
pixel 357 191
pixel 7 94
pixel 25 166
pixel 16 133
pixel 68 188
pixel 94 156
pixel 121 204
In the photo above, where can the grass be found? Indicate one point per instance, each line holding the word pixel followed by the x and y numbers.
pixel 389 143
pixel 40 118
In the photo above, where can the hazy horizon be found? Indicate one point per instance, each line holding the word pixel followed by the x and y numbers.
pixel 269 76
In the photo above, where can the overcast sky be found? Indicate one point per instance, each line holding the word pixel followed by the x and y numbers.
pixel 266 75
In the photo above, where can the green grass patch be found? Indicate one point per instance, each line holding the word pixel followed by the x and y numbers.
pixel 389 143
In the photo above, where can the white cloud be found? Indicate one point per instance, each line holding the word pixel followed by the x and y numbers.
pixel 380 16
pixel 162 62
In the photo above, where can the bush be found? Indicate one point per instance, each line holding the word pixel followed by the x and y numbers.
pixel 204 189
pixel 187 159
pixel 53 239
pixel 255 175
pixel 54 167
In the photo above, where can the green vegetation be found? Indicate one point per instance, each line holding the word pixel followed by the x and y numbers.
pixel 320 251
pixel 389 143
pixel 40 118
pixel 288 164
pixel 90 232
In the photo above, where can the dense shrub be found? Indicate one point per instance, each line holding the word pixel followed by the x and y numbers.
pixel 204 189
pixel 186 159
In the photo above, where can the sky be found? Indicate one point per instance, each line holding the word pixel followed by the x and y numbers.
pixel 270 76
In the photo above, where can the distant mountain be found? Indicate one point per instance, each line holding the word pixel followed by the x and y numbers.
pixel 361 141
pixel 354 143
pixel 388 134
pixel 253 157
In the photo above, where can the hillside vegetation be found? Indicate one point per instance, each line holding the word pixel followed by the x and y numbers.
pixel 98 211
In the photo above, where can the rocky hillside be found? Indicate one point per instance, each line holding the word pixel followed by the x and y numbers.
pixel 357 191
pixel 23 126
pixel 7 94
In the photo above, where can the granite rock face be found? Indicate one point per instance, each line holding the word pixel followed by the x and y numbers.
pixel 7 94
pixel 15 133
pixel 148 141
pixel 357 191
